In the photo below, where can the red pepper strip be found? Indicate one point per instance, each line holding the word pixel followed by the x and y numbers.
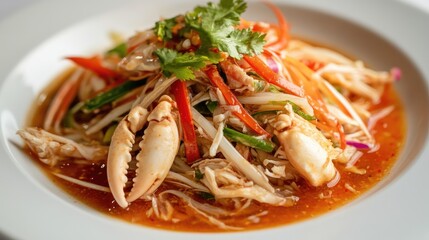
pixel 180 92
pixel 282 29
pixel 272 77
pixel 231 99
pixel 94 64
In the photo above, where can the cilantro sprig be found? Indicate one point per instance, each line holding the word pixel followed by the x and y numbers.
pixel 163 28
pixel 215 25
pixel 180 64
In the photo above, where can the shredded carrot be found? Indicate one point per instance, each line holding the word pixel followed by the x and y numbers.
pixel 282 29
pixel 302 76
pixel 313 65
pixel 245 24
pixel 261 27
pixel 61 102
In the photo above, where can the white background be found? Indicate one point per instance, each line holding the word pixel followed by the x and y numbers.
pixel 8 7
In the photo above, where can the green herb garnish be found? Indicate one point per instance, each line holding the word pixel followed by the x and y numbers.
pixel 109 133
pixel 215 25
pixel 206 108
pixel 248 140
pixel 206 195
pixel 111 95
pixel 163 28
pixel 298 110
pixel 180 64
pixel 211 105
pixel 120 50
pixel 198 174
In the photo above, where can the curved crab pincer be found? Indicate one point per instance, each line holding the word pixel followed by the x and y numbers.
pixel 158 148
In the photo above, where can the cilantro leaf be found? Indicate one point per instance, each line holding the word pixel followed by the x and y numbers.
pixel 180 64
pixel 163 28
pixel 242 42
pixel 226 12
pixel 215 26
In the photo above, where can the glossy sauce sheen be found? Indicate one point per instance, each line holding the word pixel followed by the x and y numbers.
pixel 389 133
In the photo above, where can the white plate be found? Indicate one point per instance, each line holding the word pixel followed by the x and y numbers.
pixel 34 41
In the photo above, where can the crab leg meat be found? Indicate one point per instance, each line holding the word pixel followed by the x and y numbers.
pixel 51 148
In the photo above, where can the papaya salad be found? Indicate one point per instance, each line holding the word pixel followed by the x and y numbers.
pixel 208 119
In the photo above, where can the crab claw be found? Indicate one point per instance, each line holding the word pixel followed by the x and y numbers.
pixel 308 157
pixel 309 152
pixel 158 148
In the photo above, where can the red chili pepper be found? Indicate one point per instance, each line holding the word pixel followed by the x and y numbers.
pixel 272 77
pixel 180 92
pixel 94 64
pixel 231 99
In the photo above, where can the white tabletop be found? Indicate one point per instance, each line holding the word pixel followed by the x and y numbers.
pixel 8 7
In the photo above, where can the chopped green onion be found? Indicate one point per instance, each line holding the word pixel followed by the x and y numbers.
pixel 259 85
pixel 68 120
pixel 254 75
pixel 258 114
pixel 120 50
pixel 248 140
pixel 206 108
pixel 273 89
pixel 206 195
pixel 203 109
pixel 211 105
pixel 281 103
pixel 297 109
pixel 111 95
pixel 109 133
pixel 198 174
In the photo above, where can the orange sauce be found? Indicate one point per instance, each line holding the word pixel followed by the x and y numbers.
pixel 389 133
